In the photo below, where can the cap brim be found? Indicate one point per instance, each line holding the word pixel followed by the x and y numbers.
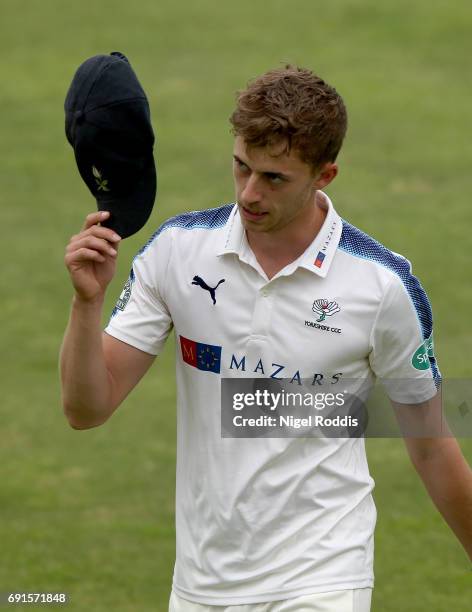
pixel 129 214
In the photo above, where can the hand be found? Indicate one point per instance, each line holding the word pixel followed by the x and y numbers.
pixel 91 258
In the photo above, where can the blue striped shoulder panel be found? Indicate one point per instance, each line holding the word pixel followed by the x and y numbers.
pixel 359 244
pixel 211 218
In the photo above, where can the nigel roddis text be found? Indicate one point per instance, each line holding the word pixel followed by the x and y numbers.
pixel 278 371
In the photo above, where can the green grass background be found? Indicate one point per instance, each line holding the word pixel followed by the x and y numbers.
pixel 91 512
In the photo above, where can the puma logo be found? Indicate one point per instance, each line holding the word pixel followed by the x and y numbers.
pixel 197 280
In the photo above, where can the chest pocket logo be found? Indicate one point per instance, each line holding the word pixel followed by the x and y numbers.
pixel 324 309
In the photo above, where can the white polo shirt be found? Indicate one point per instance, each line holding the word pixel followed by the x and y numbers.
pixel 265 519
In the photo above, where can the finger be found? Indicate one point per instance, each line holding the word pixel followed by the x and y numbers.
pixel 92 242
pixel 84 255
pixel 94 218
pixel 102 232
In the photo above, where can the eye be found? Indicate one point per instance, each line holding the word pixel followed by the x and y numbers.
pixel 274 177
pixel 241 165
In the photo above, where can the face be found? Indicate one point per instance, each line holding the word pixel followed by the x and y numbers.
pixel 273 189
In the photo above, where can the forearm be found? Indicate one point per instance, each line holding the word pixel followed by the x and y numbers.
pixel 86 382
pixel 448 479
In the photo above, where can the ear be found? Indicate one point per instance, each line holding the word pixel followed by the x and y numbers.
pixel 325 175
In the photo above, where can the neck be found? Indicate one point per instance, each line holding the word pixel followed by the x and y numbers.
pixel 289 242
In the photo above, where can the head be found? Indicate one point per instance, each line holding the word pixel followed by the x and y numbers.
pixel 289 127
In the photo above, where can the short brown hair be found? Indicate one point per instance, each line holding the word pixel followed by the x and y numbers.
pixel 295 105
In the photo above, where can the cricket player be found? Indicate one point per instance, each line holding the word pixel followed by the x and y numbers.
pixel 276 286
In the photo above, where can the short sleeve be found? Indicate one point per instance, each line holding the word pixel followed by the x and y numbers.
pixel 402 349
pixel 141 317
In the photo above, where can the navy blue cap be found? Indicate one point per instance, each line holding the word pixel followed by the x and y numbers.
pixel 108 124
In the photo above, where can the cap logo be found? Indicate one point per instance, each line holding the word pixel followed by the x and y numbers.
pixel 101 182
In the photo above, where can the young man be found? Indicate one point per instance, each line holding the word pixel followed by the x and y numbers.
pixel 266 524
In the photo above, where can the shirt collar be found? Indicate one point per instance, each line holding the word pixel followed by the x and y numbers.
pixel 317 257
pixel 233 234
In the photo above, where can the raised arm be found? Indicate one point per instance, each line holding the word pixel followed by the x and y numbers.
pixel 97 371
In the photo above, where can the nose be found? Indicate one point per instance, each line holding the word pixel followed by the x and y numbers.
pixel 251 192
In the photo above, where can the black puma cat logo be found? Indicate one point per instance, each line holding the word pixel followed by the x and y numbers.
pixel 197 280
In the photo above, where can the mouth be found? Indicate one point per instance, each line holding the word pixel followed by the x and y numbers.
pixel 252 216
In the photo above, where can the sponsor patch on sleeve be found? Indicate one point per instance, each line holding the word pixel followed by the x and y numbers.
pixel 126 293
pixel 421 357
